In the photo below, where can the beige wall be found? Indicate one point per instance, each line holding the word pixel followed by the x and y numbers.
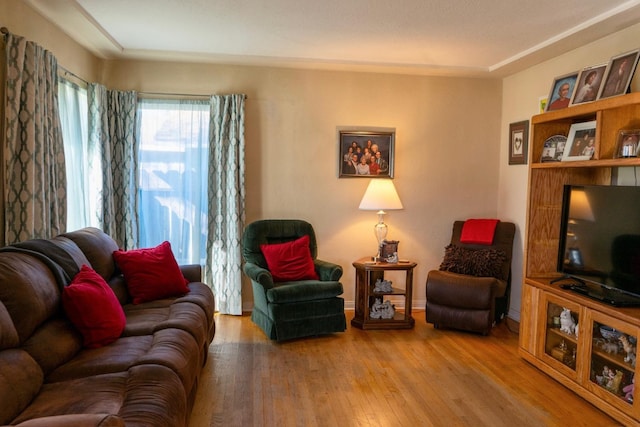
pixel 521 92
pixel 446 159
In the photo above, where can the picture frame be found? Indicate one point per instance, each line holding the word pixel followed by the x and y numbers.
pixel 359 143
pixel 581 142
pixel 588 84
pixel 619 74
pixel 561 91
pixel 518 142
pixel 628 144
pixel 389 251
pixel 553 148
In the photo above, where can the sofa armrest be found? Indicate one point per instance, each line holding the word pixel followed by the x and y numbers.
pixel 78 420
pixel 328 271
pixel 258 274
pixel 192 272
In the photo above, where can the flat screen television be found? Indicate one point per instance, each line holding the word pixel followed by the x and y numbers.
pixel 599 245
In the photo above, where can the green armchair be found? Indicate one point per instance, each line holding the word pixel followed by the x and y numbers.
pixel 291 309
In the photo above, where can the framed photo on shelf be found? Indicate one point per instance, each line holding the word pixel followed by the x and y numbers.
pixel 561 91
pixel 588 84
pixel 553 148
pixel 581 142
pixel 366 152
pixel 518 142
pixel 389 251
pixel 628 144
pixel 619 74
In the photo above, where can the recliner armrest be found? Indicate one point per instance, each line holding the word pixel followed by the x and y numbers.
pixel 258 274
pixel 459 290
pixel 328 271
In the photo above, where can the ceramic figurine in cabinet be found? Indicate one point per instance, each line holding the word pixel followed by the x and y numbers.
pixel 628 390
pixel 630 349
pixel 567 324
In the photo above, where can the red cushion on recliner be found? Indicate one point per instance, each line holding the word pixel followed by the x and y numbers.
pixel 93 308
pixel 290 260
pixel 151 273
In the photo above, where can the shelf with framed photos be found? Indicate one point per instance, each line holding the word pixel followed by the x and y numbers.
pixel 611 115
pixel 541 341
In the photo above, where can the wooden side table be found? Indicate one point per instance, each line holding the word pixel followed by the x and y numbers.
pixel 367 273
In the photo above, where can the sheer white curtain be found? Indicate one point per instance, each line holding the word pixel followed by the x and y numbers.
pixel 173 152
pixel 82 159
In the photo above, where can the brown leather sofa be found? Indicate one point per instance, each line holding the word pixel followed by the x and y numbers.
pixel 147 377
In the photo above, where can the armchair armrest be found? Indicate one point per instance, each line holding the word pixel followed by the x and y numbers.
pixel 328 271
pixel 258 274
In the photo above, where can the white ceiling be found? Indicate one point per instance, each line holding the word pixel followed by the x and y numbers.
pixel 436 37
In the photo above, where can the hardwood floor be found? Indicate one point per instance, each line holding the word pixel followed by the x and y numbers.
pixel 418 377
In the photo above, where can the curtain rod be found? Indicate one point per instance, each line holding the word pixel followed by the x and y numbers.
pixel 199 95
pixel 72 74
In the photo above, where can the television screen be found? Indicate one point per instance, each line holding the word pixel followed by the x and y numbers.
pixel 600 242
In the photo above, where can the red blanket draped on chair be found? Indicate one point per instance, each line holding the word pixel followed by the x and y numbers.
pixel 478 231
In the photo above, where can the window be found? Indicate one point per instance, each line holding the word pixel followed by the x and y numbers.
pixel 173 153
pixel 82 161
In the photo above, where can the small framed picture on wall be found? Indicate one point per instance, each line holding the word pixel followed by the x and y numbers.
pixel 518 142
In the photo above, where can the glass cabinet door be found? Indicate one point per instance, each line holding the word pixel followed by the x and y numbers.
pixel 560 343
pixel 613 361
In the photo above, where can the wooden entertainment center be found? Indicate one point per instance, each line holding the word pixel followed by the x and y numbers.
pixel 583 357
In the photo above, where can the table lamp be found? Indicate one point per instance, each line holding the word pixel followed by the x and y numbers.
pixel 381 195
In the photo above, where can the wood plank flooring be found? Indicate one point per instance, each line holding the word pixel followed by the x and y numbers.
pixel 418 377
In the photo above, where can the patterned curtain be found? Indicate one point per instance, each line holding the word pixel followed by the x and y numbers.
pixel 112 122
pixel 34 197
pixel 226 195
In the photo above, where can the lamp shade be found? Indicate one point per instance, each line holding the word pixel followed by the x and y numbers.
pixel 381 194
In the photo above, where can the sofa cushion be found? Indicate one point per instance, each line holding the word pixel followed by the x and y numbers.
pixel 473 262
pixel 8 333
pixel 290 260
pixel 98 247
pixel 148 395
pixel 20 381
pixel 176 349
pixel 151 273
pixel 54 343
pixel 93 308
pixel 27 282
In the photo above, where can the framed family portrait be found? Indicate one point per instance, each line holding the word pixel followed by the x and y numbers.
pixel 628 144
pixel 518 142
pixel 581 142
pixel 588 84
pixel 366 152
pixel 561 91
pixel 619 74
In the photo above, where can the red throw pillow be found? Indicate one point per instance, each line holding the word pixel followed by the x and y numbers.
pixel 151 273
pixel 290 260
pixel 93 308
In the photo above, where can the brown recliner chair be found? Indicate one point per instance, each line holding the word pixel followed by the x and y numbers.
pixel 471 289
